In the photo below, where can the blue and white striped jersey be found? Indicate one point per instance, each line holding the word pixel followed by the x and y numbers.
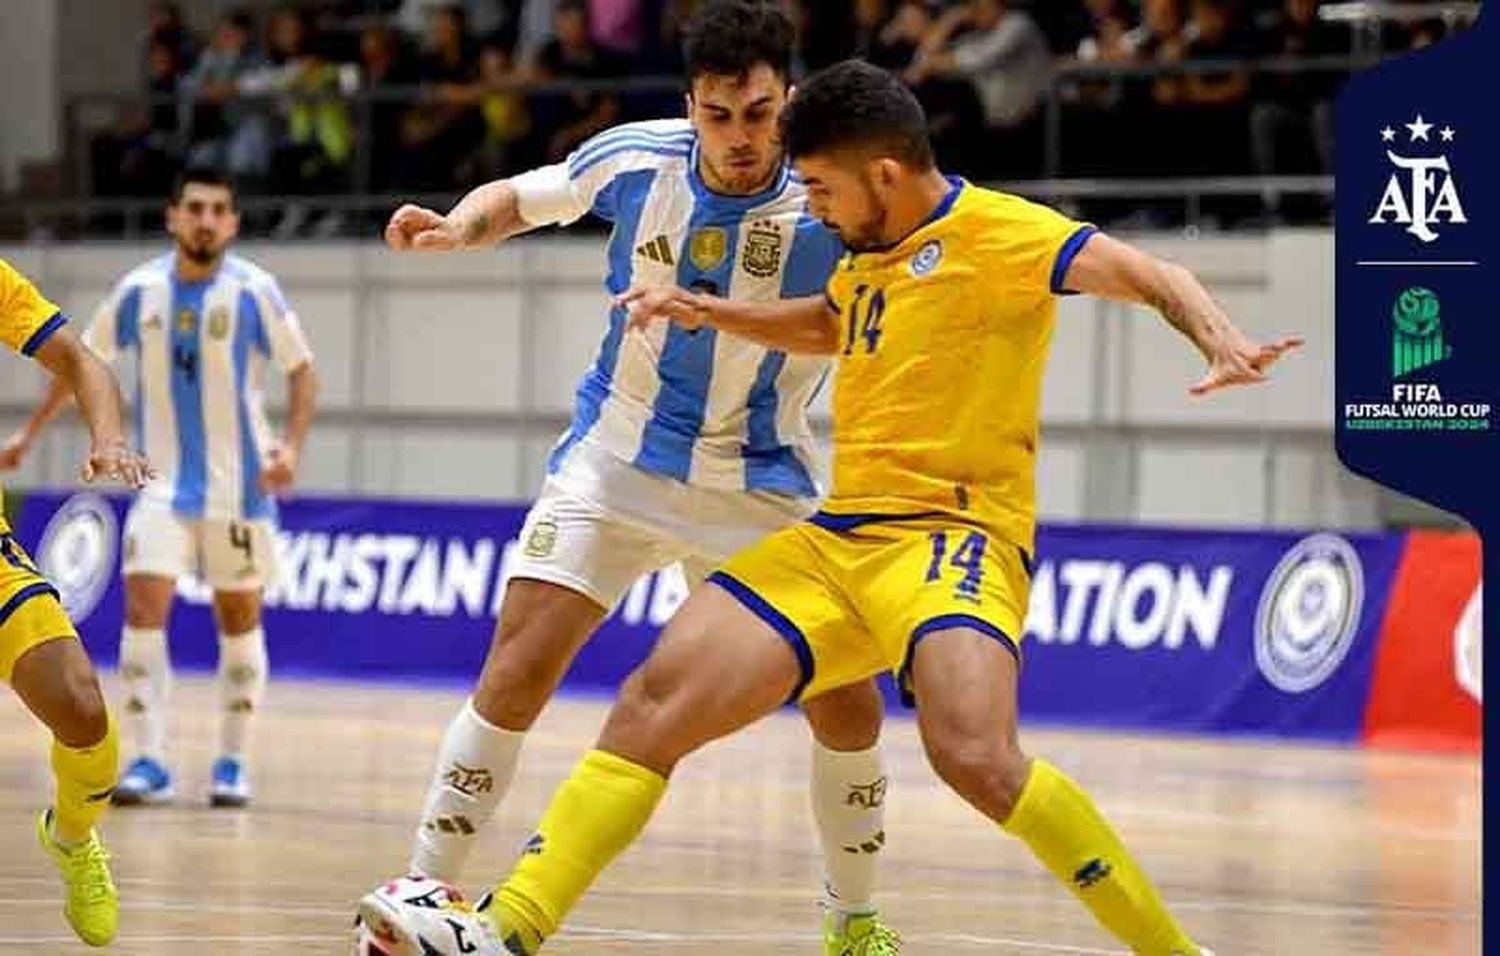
pixel 200 348
pixel 701 407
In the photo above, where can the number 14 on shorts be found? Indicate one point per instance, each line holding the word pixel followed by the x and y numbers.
pixel 968 557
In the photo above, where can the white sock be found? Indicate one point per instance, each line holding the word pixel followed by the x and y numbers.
pixel 848 796
pixel 146 670
pixel 474 769
pixel 243 672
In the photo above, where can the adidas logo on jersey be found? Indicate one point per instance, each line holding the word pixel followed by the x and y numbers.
pixel 657 250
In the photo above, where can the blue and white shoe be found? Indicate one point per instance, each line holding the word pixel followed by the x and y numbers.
pixel 231 785
pixel 146 782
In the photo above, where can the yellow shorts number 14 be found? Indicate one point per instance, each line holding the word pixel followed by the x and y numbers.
pixel 29 610
pixel 854 594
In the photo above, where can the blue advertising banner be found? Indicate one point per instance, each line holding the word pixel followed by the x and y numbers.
pixel 1206 632
pixel 1131 628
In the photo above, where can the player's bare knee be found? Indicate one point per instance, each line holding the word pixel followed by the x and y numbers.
pixel 146 608
pixel 648 723
pixel 86 716
pixel 512 695
pixel 847 718
pixel 984 770
pixel 237 613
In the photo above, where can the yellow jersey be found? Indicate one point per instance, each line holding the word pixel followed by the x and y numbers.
pixel 944 338
pixel 27 319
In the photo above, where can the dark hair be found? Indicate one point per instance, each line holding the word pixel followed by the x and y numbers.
pixel 729 37
pixel 240 19
pixel 202 176
pixel 854 105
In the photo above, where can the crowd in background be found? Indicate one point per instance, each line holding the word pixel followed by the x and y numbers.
pixel 454 93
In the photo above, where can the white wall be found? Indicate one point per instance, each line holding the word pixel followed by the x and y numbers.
pixel 450 376
pixel 30 103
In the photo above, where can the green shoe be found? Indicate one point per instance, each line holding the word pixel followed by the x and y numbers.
pixel 93 906
pixel 858 936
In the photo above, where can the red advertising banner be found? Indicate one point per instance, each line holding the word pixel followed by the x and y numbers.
pixel 1429 669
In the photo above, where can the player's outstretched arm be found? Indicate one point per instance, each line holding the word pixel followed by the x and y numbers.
pixel 1112 269
pixel 805 325
pixel 98 394
pixel 18 445
pixel 487 215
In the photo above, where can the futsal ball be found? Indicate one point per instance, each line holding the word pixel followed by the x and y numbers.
pixel 1416 312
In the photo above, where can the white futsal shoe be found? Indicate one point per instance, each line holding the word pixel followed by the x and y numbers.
pixel 419 916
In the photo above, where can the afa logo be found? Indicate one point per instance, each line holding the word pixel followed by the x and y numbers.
pixel 77 553
pixel 1309 613
pixel 1422 191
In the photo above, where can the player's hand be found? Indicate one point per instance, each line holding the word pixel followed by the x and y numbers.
pixel 13 452
pixel 663 304
pixel 116 461
pixel 413 227
pixel 280 471
pixel 1241 361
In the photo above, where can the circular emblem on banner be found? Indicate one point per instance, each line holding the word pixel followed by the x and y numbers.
pixel 927 258
pixel 1309 612
pixel 1468 646
pixel 77 553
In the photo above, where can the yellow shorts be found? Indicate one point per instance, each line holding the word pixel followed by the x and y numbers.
pixel 30 613
pixel 854 595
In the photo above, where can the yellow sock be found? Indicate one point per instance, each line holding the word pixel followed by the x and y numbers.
pixel 595 814
pixel 85 780
pixel 1061 825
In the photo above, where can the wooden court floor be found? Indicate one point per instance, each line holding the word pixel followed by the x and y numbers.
pixel 1263 850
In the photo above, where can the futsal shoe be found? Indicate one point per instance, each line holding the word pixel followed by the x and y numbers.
pixel 92 905
pixel 231 785
pixel 146 781
pixel 845 935
pixel 419 916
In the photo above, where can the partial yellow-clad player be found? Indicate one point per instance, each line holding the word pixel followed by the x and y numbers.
pixel 940 318
pixel 40 654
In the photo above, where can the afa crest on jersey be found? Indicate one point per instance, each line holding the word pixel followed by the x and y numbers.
pixel 762 250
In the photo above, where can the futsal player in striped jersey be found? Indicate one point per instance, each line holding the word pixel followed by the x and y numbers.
pixel 202 323
pixel 684 446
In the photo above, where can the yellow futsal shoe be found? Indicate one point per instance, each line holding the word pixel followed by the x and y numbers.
pixel 845 935
pixel 93 906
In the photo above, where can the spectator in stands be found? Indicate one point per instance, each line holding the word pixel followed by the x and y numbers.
pixel 164 25
pixel 446 126
pixel 486 19
pixel 138 157
pixel 892 39
pixel 1100 126
pixel 618 26
pixel 1291 122
pixel 1006 59
pixel 567 119
pixel 1106 40
pixel 384 66
pixel 537 27
pixel 226 133
pixel 502 106
pixel 1216 102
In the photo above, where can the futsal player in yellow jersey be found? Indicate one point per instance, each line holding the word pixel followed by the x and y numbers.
pixel 940 319
pixel 40 655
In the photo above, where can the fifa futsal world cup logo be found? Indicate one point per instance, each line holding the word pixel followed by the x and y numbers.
pixel 1417 339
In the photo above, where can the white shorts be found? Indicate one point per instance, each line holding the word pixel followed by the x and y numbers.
pixel 601 523
pixel 225 555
